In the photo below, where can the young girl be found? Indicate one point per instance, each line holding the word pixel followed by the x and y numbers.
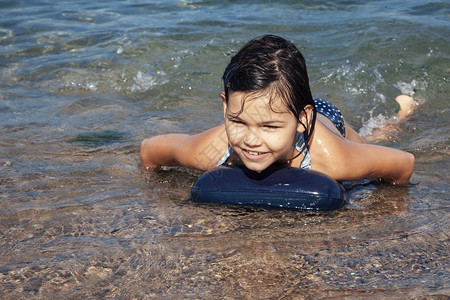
pixel 272 118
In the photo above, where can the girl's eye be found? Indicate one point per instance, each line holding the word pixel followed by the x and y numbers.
pixel 238 122
pixel 271 127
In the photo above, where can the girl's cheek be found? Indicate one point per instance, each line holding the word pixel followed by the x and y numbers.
pixel 273 141
pixel 234 132
pixel 280 141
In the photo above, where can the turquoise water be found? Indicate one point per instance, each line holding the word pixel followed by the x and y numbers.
pixel 83 82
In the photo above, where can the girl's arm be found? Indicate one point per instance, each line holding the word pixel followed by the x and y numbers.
pixel 373 161
pixel 356 160
pixel 161 150
pixel 345 159
pixel 201 151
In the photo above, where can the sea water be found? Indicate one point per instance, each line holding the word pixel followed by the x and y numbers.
pixel 83 82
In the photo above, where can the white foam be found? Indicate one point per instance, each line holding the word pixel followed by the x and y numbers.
pixel 381 97
pixel 373 123
pixel 411 88
pixel 145 81
pixel 84 85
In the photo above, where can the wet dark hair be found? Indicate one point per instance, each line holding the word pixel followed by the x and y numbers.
pixel 271 64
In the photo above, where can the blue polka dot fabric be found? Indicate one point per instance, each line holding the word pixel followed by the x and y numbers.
pixel 331 112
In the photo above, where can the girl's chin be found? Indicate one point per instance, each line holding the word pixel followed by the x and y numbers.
pixel 256 167
pixel 259 167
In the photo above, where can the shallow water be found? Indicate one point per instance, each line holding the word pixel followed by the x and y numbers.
pixel 82 83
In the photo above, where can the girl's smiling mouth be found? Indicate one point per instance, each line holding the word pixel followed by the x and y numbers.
pixel 254 155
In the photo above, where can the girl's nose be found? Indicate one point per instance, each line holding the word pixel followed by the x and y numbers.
pixel 252 138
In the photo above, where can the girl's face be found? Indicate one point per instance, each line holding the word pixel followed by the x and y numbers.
pixel 263 133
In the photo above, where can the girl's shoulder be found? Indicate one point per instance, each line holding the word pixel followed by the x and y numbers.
pixel 327 147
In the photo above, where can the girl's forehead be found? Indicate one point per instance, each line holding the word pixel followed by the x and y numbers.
pixel 238 101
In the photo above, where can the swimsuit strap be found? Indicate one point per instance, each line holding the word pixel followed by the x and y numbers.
pixel 299 143
pixel 225 156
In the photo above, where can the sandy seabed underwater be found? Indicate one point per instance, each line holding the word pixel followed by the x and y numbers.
pixel 83 82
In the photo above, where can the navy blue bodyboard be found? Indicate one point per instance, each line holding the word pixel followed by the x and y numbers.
pixel 276 187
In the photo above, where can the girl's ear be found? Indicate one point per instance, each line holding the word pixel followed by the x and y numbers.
pixel 305 118
pixel 224 102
